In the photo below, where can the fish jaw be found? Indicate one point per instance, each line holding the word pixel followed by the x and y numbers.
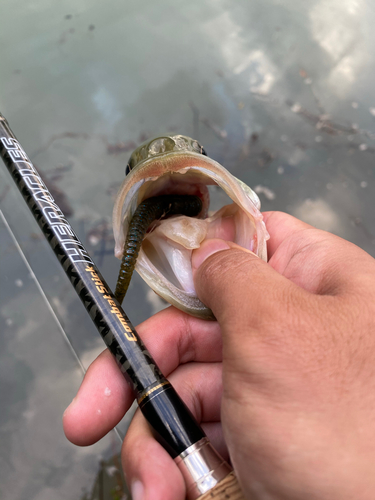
pixel 186 173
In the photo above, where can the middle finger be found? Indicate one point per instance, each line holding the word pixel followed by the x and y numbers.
pixel 172 337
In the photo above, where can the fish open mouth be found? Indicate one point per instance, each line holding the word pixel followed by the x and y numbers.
pixel 164 260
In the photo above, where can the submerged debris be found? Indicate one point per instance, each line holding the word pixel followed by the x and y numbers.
pixel 112 148
pixel 268 193
pixel 218 132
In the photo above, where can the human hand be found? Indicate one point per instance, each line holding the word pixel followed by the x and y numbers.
pixel 298 379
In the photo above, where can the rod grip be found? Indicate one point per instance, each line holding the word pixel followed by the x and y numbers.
pixel 228 488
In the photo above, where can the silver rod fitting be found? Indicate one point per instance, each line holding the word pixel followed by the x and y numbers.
pixel 202 468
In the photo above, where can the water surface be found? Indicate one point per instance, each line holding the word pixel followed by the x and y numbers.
pixel 281 93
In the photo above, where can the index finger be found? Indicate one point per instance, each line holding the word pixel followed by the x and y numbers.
pixel 281 226
pixel 172 337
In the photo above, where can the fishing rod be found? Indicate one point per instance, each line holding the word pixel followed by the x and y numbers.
pixel 205 472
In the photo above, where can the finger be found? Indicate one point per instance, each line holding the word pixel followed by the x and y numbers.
pixel 150 471
pixel 238 286
pixel 316 260
pixel 290 237
pixel 214 432
pixel 101 402
pixel 183 337
pixel 104 395
pixel 200 387
pixel 281 226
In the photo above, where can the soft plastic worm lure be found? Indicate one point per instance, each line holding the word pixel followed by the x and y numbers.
pixel 155 208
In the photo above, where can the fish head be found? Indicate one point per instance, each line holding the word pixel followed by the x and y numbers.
pixel 159 146
pixel 177 164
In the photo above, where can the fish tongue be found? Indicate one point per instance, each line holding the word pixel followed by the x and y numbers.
pixel 186 231
pixel 190 232
pixel 170 244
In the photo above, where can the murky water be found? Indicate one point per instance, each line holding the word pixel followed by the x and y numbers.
pixel 281 93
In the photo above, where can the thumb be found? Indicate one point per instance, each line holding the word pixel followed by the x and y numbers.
pixel 239 288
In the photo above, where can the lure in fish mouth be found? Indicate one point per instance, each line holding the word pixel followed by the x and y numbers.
pixel 178 165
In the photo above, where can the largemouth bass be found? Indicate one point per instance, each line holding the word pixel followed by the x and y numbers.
pixel 178 165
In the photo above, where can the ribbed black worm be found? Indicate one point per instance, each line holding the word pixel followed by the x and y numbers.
pixel 154 208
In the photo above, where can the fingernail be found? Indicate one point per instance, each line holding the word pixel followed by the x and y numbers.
pixel 137 490
pixel 208 247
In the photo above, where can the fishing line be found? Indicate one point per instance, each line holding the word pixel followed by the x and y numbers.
pixel 42 293
pixel 49 306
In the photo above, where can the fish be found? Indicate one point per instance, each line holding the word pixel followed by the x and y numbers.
pixel 178 164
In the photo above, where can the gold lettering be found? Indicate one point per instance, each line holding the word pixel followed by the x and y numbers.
pixel 132 338
pixel 115 310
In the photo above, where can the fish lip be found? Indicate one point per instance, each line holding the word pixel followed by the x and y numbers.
pixel 158 156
